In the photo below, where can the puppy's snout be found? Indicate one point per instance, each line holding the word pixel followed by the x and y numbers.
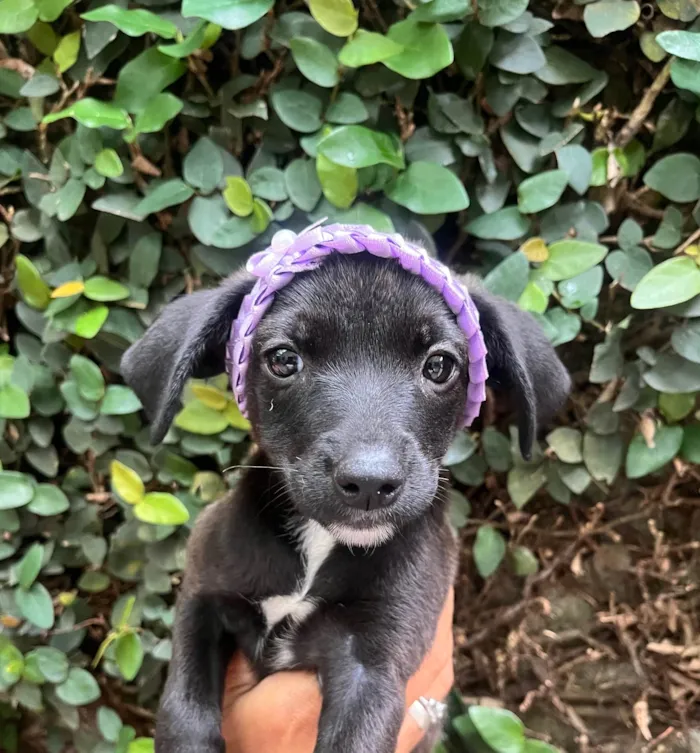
pixel 368 478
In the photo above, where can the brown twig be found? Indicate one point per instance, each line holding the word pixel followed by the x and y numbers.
pixel 694 238
pixel 642 110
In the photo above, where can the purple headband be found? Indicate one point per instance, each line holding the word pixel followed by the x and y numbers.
pixel 290 254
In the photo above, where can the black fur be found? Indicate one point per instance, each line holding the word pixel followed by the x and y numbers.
pixel 363 328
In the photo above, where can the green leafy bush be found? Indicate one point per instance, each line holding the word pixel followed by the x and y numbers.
pixel 147 151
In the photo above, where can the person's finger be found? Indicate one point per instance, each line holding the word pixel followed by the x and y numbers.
pixel 240 678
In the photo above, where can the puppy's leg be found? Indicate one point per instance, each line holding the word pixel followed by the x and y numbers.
pixel 189 718
pixel 363 685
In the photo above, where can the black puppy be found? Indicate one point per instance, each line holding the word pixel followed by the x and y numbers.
pixel 334 553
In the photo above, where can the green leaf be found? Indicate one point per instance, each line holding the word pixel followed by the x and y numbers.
pixel 677 177
pixel 14 402
pixel 496 447
pixel 690 449
pixel 500 12
pixel 161 509
pixel 607 16
pixel 93 114
pixel 48 500
pixel 109 724
pixel 427 188
pixel 52 663
pixel 673 374
pixel 11 664
pixel 103 289
pixel 192 42
pixel 642 460
pixel 517 53
pixel 198 418
pixel 683 44
pixel 268 183
pixel 686 341
pixel 472 48
pixel 50 10
pixel 162 108
pixel 119 400
pixel 231 14
pixel 261 218
pixel 212 224
pixel 676 407
pixel 506 224
pixel 566 443
pixel 338 183
pixel 40 85
pixel 16 490
pixel 671 282
pixel 144 77
pixel 303 186
pixel 538 746
pixel 315 61
pixel 134 23
pixel 167 194
pixel 603 455
pixel 88 324
pixel 109 164
pixel 298 110
pixel 238 196
pixel 126 483
pixel 685 74
pixel 524 481
pixel 17 16
pixel 461 448
pixel 426 49
pixel 524 561
pixel 367 48
pixel 66 53
pixel 79 689
pixel 499 728
pixel 128 653
pixel 564 68
pixel 142 745
pixel 357 146
pixel 509 278
pixel 489 550
pixel 203 167
pixel 337 17
pixel 36 606
pixel 34 290
pixel 577 163
pixel 29 566
pixel 569 258
pixel 541 191
pixel 628 267
pixel 347 109
pixel 88 377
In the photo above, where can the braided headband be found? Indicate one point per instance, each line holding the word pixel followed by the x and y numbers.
pixel 291 254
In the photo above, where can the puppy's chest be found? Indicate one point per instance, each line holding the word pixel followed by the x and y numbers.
pixel 284 613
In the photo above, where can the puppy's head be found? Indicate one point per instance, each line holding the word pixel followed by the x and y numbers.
pixel 356 384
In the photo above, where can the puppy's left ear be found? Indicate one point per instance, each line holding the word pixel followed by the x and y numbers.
pixel 188 339
pixel 520 360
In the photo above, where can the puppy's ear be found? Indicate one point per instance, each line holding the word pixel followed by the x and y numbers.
pixel 188 339
pixel 520 360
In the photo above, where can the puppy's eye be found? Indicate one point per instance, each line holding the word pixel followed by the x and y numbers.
pixel 284 362
pixel 438 368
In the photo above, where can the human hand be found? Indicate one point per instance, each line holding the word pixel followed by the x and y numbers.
pixel 281 713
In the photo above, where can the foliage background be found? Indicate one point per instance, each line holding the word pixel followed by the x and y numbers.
pixel 147 151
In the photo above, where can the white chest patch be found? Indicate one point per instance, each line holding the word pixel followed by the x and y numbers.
pixel 315 545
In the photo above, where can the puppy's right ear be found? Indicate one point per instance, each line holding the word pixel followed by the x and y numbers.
pixel 188 339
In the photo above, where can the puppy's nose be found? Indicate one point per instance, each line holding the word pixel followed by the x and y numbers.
pixel 368 478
